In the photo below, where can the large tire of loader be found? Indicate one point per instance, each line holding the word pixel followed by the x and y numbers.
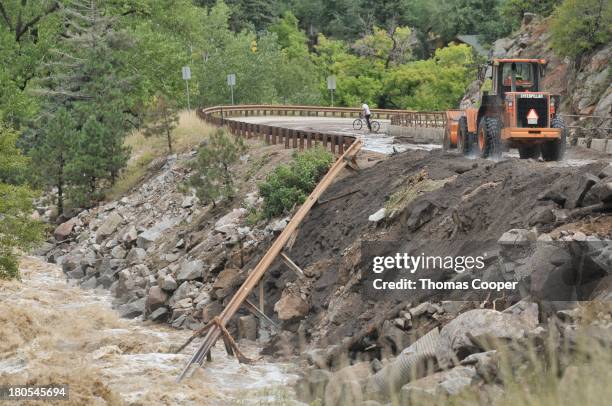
pixel 446 143
pixel 488 138
pixel 463 137
pixel 529 151
pixel 555 150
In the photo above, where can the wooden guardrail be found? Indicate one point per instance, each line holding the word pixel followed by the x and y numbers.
pixel 426 119
pixel 229 116
pixel 292 138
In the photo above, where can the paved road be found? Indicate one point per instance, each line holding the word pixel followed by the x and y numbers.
pixel 377 142
pixel 386 144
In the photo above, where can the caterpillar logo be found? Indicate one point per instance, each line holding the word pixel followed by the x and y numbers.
pixel 531 96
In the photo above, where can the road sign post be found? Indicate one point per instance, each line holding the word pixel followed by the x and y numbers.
pixel 187 78
pixel 331 85
pixel 231 82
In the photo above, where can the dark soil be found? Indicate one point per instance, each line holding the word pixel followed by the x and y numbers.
pixel 482 200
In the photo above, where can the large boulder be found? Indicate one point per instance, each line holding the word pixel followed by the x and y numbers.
pixel 155 299
pixel 579 191
pixel 185 290
pixel 229 223
pixel 147 238
pixel 482 325
pixel 136 256
pixel 190 271
pixel 345 386
pixel 291 306
pixel 440 385
pixel 600 192
pixel 226 280
pixel 129 236
pixel 71 262
pixel 132 309
pixel 108 227
pixel 167 283
pixel 159 314
pixel 118 252
pixel 64 230
pixel 247 327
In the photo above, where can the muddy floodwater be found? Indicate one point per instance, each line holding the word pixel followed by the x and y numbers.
pixel 55 333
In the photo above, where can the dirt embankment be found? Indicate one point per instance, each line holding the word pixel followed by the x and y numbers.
pixel 436 202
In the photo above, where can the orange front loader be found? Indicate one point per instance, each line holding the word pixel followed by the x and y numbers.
pixel 516 114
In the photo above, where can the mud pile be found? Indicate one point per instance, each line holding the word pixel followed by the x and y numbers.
pixel 476 200
pixel 436 202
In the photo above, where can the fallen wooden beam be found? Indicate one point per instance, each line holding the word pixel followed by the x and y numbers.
pixel 292 265
pixel 260 313
pixel 257 273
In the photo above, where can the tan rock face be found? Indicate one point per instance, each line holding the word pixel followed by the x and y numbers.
pixel 65 229
pixel 108 227
pixel 227 278
pixel 156 298
pixel 291 305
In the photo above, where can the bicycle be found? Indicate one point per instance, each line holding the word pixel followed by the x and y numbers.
pixel 360 122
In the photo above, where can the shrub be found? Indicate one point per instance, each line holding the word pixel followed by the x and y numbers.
pixel 18 231
pixel 290 185
pixel 579 26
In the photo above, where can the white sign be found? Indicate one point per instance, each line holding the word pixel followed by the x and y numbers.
pixel 231 79
pixel 532 117
pixel 186 73
pixel 331 83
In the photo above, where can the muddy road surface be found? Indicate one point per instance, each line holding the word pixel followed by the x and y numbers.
pixel 384 143
pixel 55 333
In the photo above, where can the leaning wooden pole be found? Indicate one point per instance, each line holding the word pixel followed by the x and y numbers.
pixel 255 276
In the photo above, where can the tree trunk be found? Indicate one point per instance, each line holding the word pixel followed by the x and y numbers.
pixel 60 186
pixel 60 192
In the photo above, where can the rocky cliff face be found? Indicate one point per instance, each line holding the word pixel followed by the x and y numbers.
pixel 585 84
pixel 164 255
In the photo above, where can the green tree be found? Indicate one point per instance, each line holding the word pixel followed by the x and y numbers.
pixel 579 26
pixel 357 79
pixel 90 79
pixel 291 39
pixel 28 30
pixel 434 84
pixel 162 119
pixel 167 34
pixel 54 151
pixel 265 72
pixel 17 229
pixel 213 178
pixel 514 10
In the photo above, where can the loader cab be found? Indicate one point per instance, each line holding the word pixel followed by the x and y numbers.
pixel 517 75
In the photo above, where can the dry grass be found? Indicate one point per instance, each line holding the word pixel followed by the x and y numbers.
pixel 186 137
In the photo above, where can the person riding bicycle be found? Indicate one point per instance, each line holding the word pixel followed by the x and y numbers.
pixel 365 111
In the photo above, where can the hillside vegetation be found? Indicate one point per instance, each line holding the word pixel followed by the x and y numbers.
pixel 79 76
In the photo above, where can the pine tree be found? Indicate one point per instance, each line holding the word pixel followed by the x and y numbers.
pixel 54 151
pixel 89 79
pixel 213 178
pixel 162 118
